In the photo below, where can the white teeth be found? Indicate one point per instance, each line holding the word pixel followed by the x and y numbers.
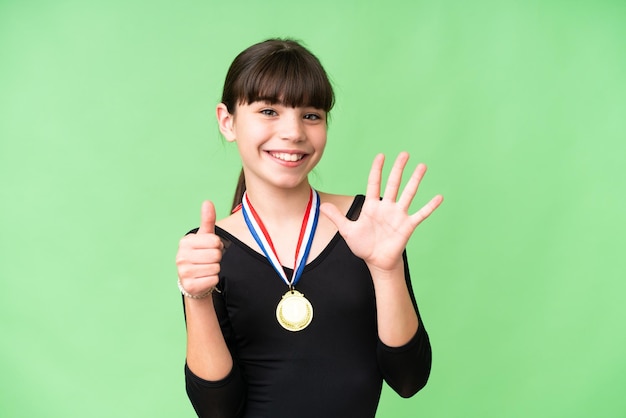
pixel 287 157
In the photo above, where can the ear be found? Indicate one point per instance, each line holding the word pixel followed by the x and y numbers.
pixel 226 122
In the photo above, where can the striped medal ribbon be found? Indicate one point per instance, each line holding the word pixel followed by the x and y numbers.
pixel 294 312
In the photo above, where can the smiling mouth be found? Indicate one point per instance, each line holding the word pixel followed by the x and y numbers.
pixel 284 156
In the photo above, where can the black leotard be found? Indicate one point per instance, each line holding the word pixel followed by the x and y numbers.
pixel 333 368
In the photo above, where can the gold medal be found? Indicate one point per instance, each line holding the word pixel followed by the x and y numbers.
pixel 294 312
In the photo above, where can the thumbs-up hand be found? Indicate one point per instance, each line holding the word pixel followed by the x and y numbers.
pixel 199 255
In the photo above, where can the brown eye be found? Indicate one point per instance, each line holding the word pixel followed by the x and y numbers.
pixel 312 116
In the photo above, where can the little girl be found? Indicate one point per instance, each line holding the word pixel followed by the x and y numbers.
pixel 299 303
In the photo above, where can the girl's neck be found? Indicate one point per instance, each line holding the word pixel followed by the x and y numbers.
pixel 279 204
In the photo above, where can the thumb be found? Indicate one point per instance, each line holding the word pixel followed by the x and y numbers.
pixel 334 215
pixel 207 221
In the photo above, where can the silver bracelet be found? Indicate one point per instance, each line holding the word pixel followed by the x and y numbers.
pixel 189 295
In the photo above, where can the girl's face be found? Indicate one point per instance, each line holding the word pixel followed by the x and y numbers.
pixel 278 144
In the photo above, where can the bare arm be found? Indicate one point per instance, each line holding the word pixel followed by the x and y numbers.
pixel 198 262
pixel 397 319
pixel 379 236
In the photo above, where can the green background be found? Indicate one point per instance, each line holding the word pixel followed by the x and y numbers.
pixel 108 145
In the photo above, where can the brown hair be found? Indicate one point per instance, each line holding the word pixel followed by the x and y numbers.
pixel 276 71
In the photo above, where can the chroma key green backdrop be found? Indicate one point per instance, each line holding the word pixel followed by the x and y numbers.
pixel 108 145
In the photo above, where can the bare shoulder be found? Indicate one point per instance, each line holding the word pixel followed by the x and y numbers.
pixel 342 202
pixel 233 223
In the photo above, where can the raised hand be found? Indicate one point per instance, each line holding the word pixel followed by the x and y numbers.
pixel 384 226
pixel 199 255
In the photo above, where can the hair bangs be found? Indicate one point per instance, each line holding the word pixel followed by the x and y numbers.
pixel 289 78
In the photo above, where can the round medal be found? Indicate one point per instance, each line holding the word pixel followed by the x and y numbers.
pixel 294 312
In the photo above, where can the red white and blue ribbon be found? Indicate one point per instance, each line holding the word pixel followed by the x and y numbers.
pixel 262 237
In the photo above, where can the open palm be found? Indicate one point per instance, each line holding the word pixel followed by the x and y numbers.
pixel 384 226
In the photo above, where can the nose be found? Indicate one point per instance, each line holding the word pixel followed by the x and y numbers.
pixel 291 127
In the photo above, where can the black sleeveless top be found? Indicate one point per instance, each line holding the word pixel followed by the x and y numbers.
pixel 332 368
